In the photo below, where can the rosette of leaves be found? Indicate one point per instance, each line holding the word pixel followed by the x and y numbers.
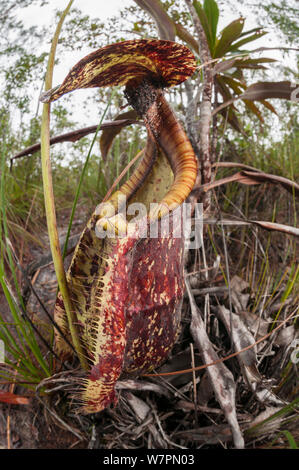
pixel 229 46
pixel 127 290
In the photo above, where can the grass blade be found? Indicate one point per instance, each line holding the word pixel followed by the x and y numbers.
pixel 49 199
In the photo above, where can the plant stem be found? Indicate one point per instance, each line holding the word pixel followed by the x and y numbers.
pixel 50 203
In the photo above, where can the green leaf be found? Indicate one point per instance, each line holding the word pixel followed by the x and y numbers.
pixel 223 88
pixel 238 74
pixel 253 63
pixel 291 439
pixel 250 31
pixel 291 407
pixel 205 24
pixel 212 13
pixel 229 34
pixel 224 65
pixel 253 37
pixel 230 116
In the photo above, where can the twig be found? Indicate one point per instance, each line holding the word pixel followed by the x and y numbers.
pixel 166 439
pixel 125 170
pixel 73 136
pixel 210 290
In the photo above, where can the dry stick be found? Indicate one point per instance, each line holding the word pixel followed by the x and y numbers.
pixel 204 366
pixel 192 126
pixel 50 204
pixel 60 421
pixel 227 275
pixel 212 61
pixel 214 139
pixel 8 431
pixel 225 104
pixel 234 164
pixel 251 178
pixel 260 49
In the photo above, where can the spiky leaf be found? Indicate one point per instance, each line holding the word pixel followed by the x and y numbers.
pixel 228 36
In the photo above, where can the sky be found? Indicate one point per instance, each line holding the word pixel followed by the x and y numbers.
pixel 104 9
pixel 44 16
pixel 101 9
